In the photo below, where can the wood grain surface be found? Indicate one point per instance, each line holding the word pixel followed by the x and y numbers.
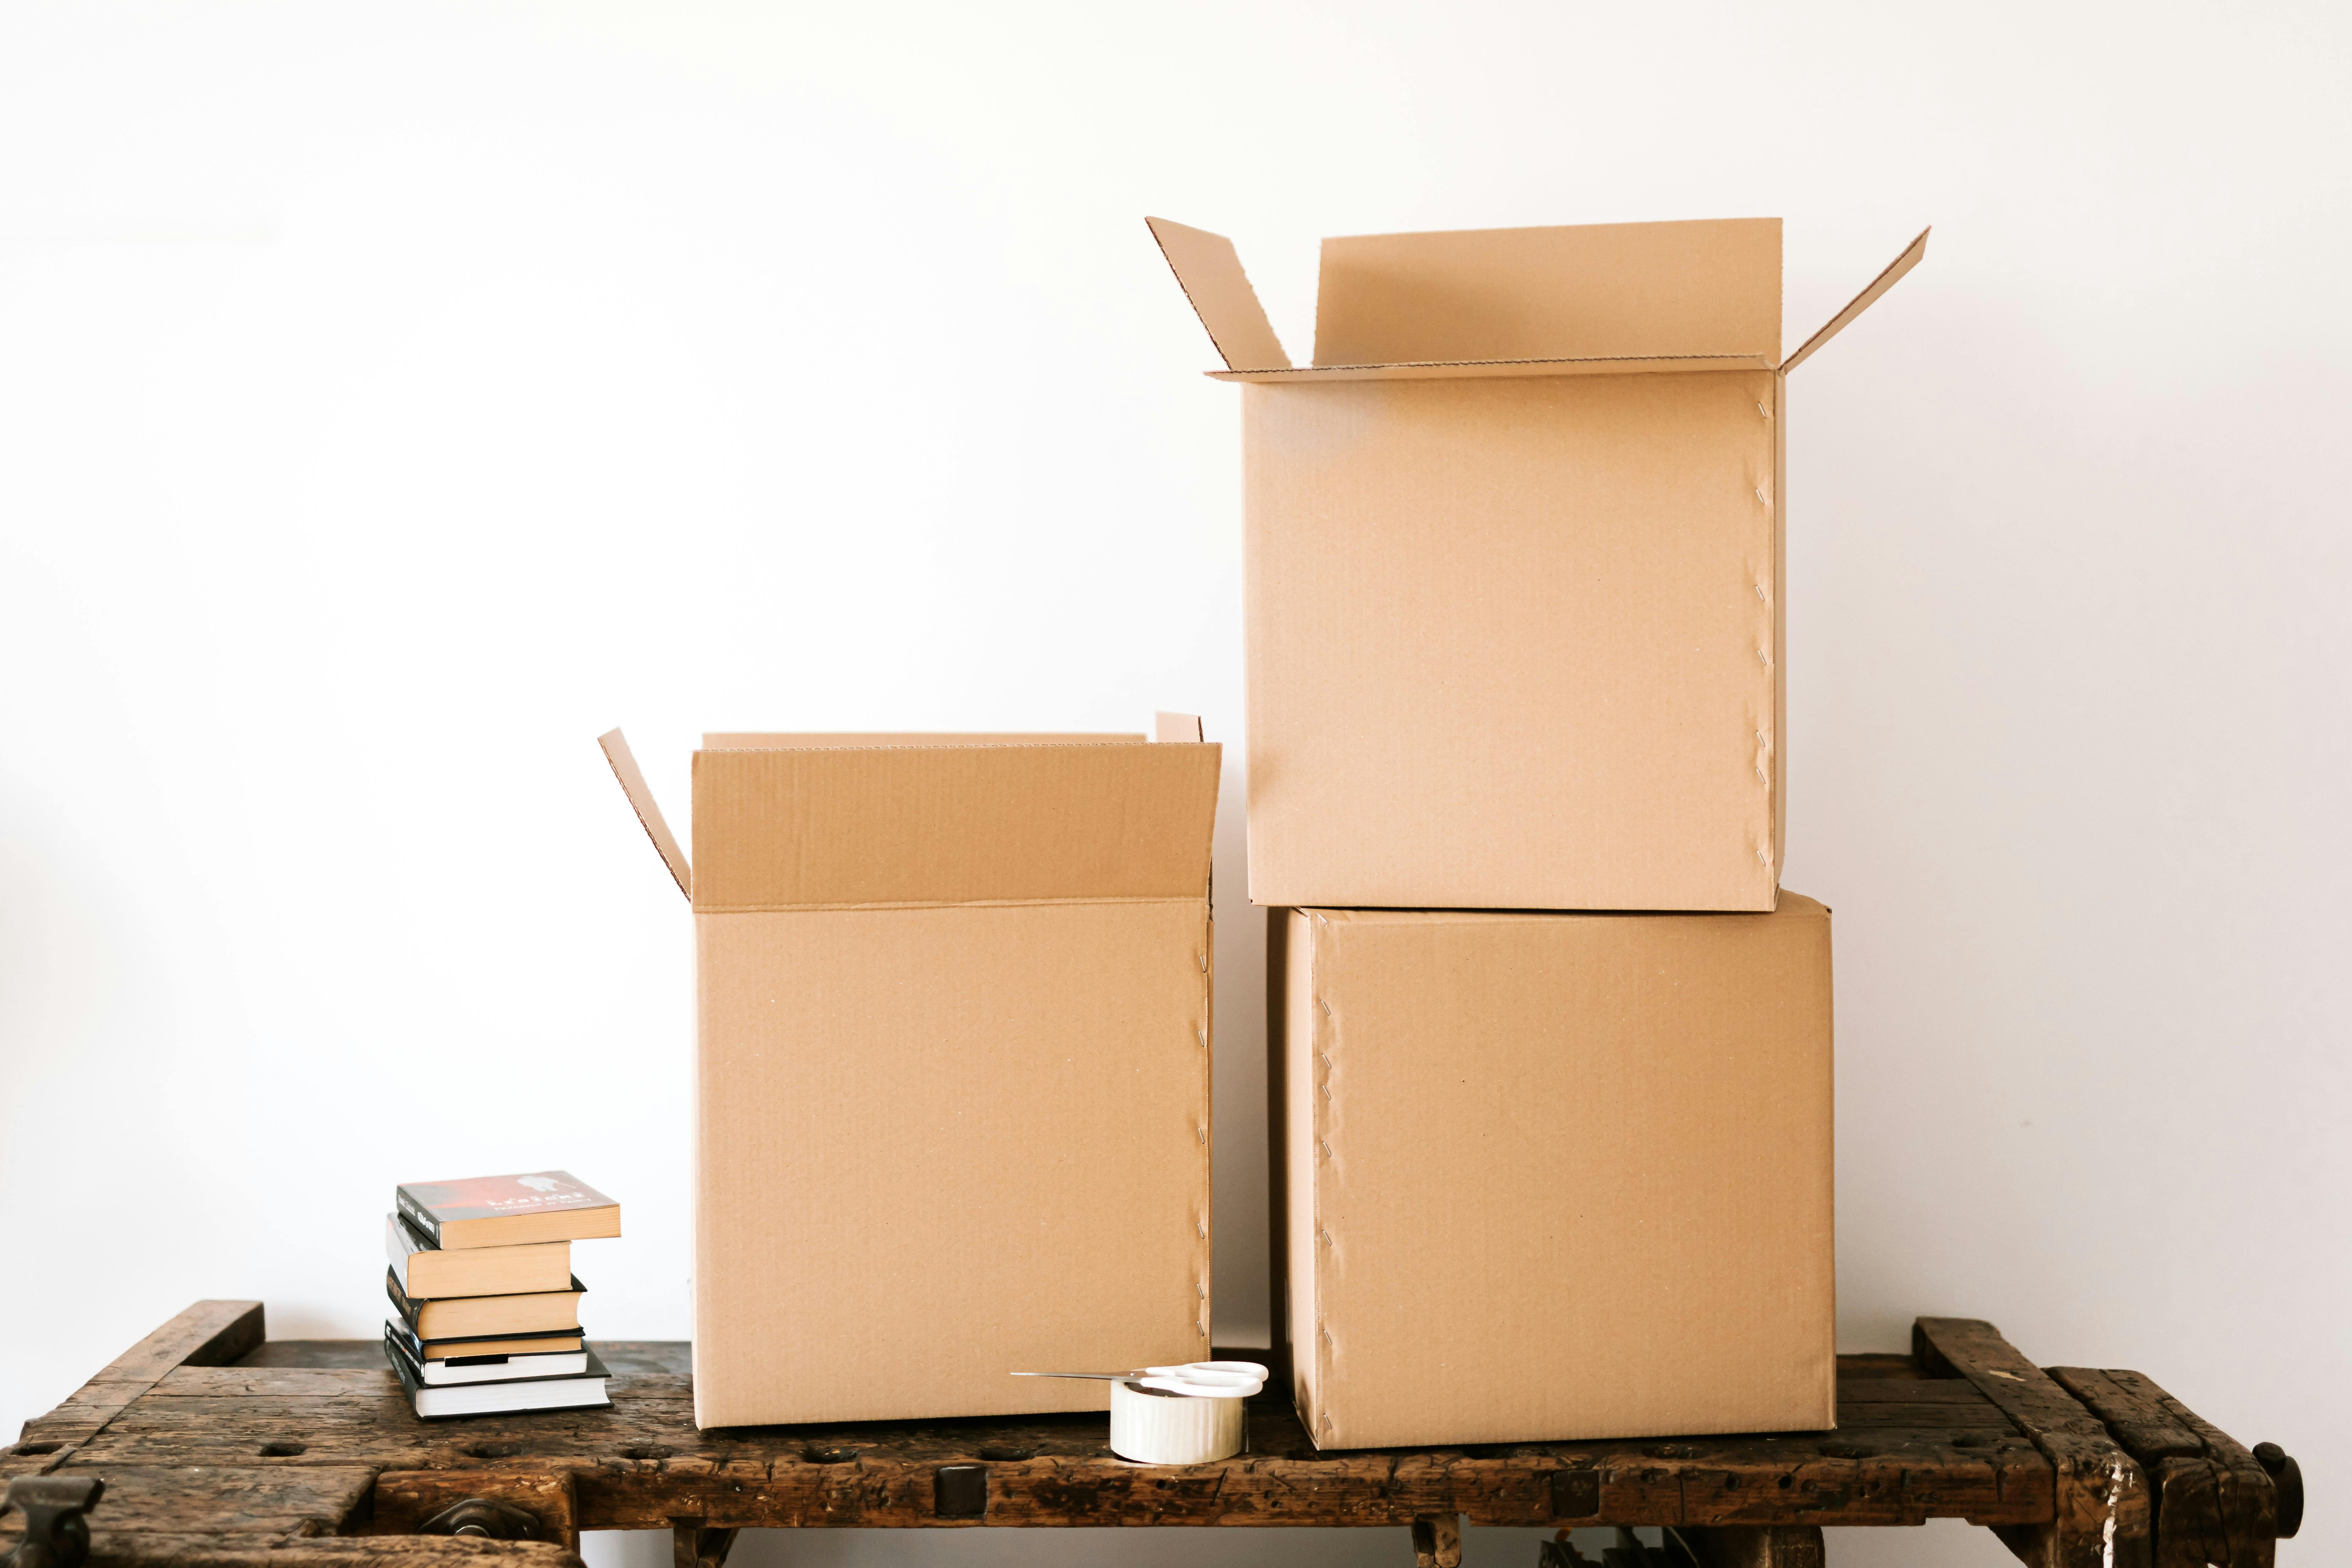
pixel 220 1449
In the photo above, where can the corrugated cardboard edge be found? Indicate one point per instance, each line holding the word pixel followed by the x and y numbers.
pixel 1184 729
pixel 641 799
pixel 1776 734
pixel 1304 1230
pixel 1210 272
pixel 1442 370
pixel 1913 254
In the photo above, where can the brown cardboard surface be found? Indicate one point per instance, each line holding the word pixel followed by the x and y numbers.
pixel 904 824
pixel 1212 276
pixel 1516 611
pixel 1587 291
pixel 953 1070
pixel 1512 643
pixel 641 801
pixel 1913 254
pixel 715 742
pixel 1558 1176
pixel 1487 369
pixel 940 1145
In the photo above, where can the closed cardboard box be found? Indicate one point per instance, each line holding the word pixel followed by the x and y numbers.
pixel 952 1087
pixel 1554 1176
pixel 1515 597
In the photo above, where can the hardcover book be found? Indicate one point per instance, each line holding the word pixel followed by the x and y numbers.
pixel 461 1316
pixel 508 1211
pixel 442 1369
pixel 427 1272
pixel 585 1390
pixel 450 1347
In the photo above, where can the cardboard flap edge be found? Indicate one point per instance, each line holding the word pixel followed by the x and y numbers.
pixel 1167 726
pixel 623 763
pixel 1913 254
pixel 1209 271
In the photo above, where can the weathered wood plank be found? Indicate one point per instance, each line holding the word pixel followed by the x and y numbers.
pixel 1946 1390
pixel 2137 1417
pixel 649 1466
pixel 276 1382
pixel 2244 1529
pixel 197 1551
pixel 276 1502
pixel 2102 1516
pixel 207 1335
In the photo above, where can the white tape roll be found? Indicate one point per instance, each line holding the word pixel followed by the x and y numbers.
pixel 1155 1428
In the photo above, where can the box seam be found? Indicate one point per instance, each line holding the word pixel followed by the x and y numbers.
pixel 951 904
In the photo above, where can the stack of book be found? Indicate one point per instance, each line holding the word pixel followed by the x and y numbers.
pixel 486 1309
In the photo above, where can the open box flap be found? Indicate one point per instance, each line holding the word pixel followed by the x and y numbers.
pixel 1912 254
pixel 641 799
pixel 1211 275
pixel 1176 727
pixel 761 742
pixel 899 826
pixel 1705 289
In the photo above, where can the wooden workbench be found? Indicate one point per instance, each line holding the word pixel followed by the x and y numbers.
pixel 220 1448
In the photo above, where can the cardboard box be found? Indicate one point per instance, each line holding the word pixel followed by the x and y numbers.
pixel 1513 568
pixel 952 1087
pixel 1553 1176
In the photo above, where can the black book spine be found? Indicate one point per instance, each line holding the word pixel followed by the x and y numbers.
pixel 419 1217
pixel 410 1312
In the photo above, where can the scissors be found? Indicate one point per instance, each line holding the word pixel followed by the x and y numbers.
pixel 1198 1379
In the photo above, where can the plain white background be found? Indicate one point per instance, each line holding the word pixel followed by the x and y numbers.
pixel 394 397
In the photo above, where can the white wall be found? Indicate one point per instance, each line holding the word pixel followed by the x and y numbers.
pixel 392 398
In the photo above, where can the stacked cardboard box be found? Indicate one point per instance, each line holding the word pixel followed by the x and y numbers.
pixel 1515 609
pixel 952 1083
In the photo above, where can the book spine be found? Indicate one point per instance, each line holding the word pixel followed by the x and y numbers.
pixel 411 1312
pixel 418 1215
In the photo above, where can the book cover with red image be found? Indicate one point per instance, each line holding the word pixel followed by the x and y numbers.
pixel 508 1211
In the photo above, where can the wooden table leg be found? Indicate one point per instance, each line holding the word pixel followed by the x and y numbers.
pixel 1754 1546
pixel 694 1546
pixel 1437 1541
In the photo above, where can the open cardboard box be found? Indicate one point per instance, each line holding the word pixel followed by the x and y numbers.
pixel 952 1087
pixel 1515 592
pixel 1553 1176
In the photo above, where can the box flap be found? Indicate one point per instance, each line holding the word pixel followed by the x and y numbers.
pixel 1913 254
pixel 1587 291
pixel 903 826
pixel 1213 278
pixel 641 799
pixel 763 741
pixel 1176 727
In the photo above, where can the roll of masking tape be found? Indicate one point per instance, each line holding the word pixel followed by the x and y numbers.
pixel 1153 1427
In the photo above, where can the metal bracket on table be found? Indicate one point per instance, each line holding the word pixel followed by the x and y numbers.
pixel 56 1535
pixel 484 1517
